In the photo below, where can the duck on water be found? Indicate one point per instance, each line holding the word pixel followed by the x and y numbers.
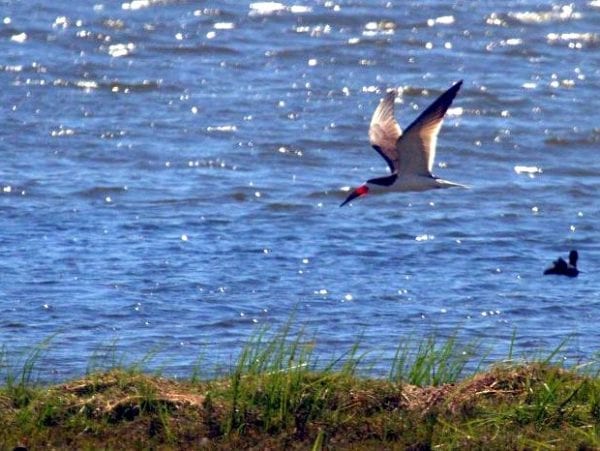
pixel 561 268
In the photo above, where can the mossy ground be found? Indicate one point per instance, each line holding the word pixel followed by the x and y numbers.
pixel 528 406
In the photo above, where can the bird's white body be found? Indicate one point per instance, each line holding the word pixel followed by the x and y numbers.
pixel 413 183
pixel 409 154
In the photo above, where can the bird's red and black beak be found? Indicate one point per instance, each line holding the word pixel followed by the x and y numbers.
pixel 358 192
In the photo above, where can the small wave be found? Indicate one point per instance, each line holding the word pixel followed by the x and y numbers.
pixel 592 137
pixel 8 189
pixel 11 68
pixel 268 8
pixel 115 86
pixel 290 151
pixel 288 207
pixel 222 128
pixel 101 191
pixel 573 40
pixel 203 49
pixel 415 91
pixel 559 13
pixel 384 27
pixel 572 37
pixel 140 4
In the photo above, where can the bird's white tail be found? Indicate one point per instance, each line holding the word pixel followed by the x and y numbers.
pixel 447 184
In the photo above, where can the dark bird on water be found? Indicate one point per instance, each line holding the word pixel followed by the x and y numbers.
pixel 561 268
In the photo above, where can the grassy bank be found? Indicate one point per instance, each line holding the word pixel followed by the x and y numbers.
pixel 278 397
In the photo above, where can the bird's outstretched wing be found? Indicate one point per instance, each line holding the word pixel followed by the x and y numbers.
pixel 416 147
pixel 384 131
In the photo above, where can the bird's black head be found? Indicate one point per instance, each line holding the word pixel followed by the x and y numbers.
pixel 573 256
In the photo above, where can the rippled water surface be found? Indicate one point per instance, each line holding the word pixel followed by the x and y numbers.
pixel 171 172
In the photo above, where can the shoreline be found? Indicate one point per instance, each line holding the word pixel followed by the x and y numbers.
pixel 275 398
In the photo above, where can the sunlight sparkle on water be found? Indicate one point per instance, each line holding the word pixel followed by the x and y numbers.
pixel 224 26
pixel 264 8
pixel 87 85
pixel 137 4
pixel 512 42
pixel 60 22
pixel 529 170
pixel 221 128
pixel 557 14
pixel 442 20
pixel 19 38
pixel 424 237
pixel 119 50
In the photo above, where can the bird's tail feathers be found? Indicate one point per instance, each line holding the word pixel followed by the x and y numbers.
pixel 448 184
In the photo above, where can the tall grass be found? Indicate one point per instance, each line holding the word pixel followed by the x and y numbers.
pixel 276 375
pixel 280 376
pixel 18 374
pixel 434 361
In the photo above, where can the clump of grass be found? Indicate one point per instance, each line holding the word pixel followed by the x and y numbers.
pixel 276 377
pixel 19 383
pixel 432 361
pixel 279 395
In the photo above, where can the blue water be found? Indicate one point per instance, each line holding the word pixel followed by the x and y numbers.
pixel 171 172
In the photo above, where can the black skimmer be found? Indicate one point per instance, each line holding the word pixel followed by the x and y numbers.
pixel 409 155
pixel 562 268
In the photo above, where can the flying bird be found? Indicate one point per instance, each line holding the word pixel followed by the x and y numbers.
pixel 409 154
pixel 562 268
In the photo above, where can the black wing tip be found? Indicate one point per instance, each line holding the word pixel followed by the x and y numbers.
pixel 455 87
pixel 445 100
